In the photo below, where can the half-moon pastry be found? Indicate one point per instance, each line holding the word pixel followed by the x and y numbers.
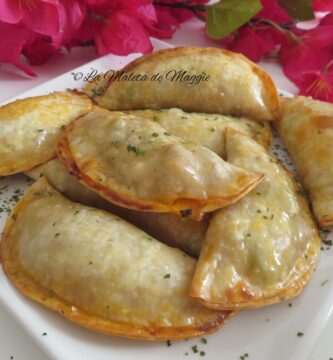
pixel 208 80
pixel 30 128
pixel 262 249
pixel 100 271
pixel 184 233
pixel 306 129
pixel 206 129
pixel 135 163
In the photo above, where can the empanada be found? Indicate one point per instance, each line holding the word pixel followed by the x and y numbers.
pixel 262 249
pixel 30 128
pixel 208 80
pixel 100 271
pixel 206 129
pixel 135 163
pixel 184 233
pixel 306 129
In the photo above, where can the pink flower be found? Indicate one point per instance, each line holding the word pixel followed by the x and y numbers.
pixel 122 34
pixel 71 14
pixel 306 52
pixel 40 16
pixel 317 84
pixel 255 43
pixel 39 51
pixel 327 20
pixel 12 43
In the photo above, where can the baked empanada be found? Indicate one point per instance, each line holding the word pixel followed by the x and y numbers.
pixel 306 129
pixel 135 163
pixel 208 80
pixel 184 233
pixel 100 271
pixel 262 249
pixel 30 128
pixel 206 129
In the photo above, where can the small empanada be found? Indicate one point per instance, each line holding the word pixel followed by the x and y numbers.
pixel 262 249
pixel 135 163
pixel 306 129
pixel 229 84
pixel 100 271
pixel 184 233
pixel 31 127
pixel 206 129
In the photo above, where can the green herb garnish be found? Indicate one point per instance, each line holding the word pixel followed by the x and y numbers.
pixel 136 150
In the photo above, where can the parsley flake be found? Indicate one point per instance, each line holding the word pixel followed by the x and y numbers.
pixel 167 276
pixel 299 334
pixel 137 151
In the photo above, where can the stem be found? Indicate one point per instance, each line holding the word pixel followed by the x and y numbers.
pixel 288 33
pixel 196 9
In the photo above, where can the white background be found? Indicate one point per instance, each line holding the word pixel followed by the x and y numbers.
pixel 13 340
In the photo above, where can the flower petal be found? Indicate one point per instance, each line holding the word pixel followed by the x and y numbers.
pixel 71 16
pixel 273 11
pixel 317 85
pixel 10 12
pixel 43 18
pixel 39 51
pixel 11 45
pixel 254 44
pixel 122 34
pixel 322 5
pixel 248 43
pixel 312 51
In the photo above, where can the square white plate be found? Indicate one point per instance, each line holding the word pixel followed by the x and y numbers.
pixel 266 333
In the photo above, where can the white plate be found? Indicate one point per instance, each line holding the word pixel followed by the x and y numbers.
pixel 266 333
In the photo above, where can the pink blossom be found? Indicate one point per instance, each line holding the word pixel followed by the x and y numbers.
pixel 307 52
pixel 122 34
pixel 40 16
pixel 318 85
pixel 255 43
pixel 12 44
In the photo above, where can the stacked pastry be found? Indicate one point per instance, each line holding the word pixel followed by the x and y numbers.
pixel 159 212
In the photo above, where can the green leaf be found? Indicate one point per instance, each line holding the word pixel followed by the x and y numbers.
pixel 228 15
pixel 298 9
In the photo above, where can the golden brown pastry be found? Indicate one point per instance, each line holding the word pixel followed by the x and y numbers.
pixel 100 271
pixel 206 129
pixel 135 163
pixel 30 128
pixel 306 129
pixel 262 249
pixel 208 80
pixel 184 233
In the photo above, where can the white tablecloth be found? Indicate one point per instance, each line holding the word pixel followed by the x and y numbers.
pixel 14 342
